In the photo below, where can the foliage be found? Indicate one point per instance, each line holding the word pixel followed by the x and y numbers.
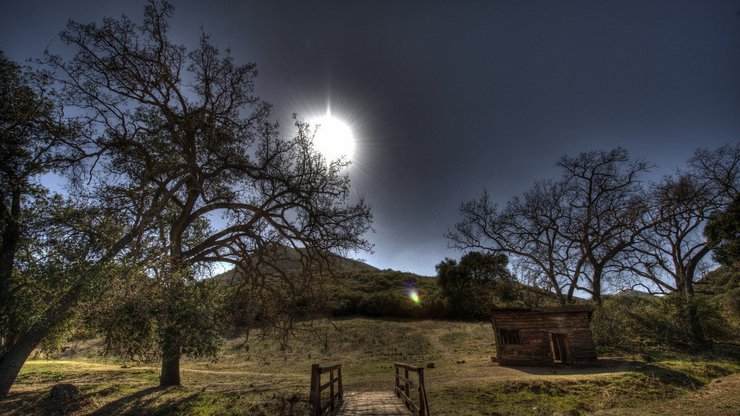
pixel 133 319
pixel 723 232
pixel 469 286
pixel 383 293
pixel 33 141
pixel 644 323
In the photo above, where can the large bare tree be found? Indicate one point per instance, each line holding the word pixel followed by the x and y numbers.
pixel 564 234
pixel 670 253
pixel 606 209
pixel 529 231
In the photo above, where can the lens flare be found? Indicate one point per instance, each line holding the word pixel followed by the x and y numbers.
pixel 414 296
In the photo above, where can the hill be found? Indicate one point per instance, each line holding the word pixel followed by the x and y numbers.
pixel 288 259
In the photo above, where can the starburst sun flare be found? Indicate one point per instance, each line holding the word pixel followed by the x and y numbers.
pixel 333 138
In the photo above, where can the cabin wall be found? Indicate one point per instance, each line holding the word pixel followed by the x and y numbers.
pixel 534 333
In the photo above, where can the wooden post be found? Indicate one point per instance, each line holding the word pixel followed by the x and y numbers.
pixel 315 395
pixel 341 389
pixel 331 389
pixel 406 382
pixel 422 394
pixel 397 383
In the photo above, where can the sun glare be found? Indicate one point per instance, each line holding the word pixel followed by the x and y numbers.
pixel 333 138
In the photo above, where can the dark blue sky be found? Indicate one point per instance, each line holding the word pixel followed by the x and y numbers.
pixel 449 98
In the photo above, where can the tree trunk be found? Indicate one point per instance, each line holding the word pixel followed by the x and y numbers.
pixel 691 319
pixel 170 375
pixel 8 248
pixel 596 285
pixel 689 310
pixel 17 354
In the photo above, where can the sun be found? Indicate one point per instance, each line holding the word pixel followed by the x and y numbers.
pixel 333 138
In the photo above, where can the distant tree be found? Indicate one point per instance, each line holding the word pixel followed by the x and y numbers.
pixel 468 285
pixel 669 255
pixel 181 130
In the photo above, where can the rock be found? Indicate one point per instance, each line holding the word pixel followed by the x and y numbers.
pixel 644 357
pixel 430 365
pixel 460 361
pixel 64 393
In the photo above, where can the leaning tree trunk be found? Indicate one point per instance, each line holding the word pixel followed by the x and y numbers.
pixel 14 358
pixel 17 354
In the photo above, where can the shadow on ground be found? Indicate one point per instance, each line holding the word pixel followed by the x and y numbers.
pixel 609 365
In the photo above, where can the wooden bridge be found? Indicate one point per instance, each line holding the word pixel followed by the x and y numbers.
pixel 409 397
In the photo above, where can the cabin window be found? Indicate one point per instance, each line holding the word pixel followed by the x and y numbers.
pixel 509 336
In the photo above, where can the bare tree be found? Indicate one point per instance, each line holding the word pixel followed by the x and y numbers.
pixel 529 231
pixel 670 253
pixel 563 235
pixel 606 209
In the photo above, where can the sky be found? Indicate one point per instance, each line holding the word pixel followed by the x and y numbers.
pixel 447 99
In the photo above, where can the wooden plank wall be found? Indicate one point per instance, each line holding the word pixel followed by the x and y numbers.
pixel 534 332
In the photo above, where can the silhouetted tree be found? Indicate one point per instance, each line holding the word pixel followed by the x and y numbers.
pixel 528 230
pixel 563 235
pixel 606 210
pixel 668 255
pixel 181 130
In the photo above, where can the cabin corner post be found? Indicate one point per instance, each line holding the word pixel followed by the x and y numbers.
pixel 496 337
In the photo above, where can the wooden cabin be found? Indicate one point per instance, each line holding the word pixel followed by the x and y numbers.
pixel 544 336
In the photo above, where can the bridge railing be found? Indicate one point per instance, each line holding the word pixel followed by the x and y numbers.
pixel 404 384
pixel 336 394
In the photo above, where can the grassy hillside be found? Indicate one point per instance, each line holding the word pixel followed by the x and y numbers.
pixel 255 376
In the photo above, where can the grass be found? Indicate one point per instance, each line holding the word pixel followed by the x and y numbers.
pixel 256 376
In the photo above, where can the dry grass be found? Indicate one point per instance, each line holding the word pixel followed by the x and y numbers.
pixel 258 377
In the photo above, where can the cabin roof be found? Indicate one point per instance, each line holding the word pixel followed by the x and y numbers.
pixel 560 309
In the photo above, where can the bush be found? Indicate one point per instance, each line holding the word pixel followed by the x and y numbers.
pixel 631 323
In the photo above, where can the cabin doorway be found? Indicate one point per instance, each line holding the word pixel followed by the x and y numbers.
pixel 560 348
